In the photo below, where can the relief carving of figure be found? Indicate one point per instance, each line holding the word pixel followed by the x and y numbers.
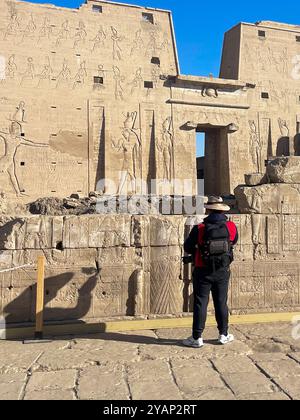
pixel 30 29
pixel 13 28
pixel 152 47
pixel 19 115
pixel 11 67
pixel 46 29
pixel 138 43
pixel 30 71
pixel 99 39
pixel 284 129
pixel 80 35
pixel 80 75
pixel 137 81
pixel 165 44
pixel 165 147
pixel 65 74
pixel 117 50
pixel 46 72
pixel 63 34
pixel 130 145
pixel 255 146
pixel 284 59
pixel 13 139
pixel 119 80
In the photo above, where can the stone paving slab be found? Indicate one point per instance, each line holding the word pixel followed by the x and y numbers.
pixel 275 396
pixel 192 376
pixel 268 357
pixel 152 380
pixel 280 368
pixel 11 385
pixel 45 381
pixel 290 385
pixel 211 395
pixel 52 395
pixel 20 361
pixel 295 356
pixel 101 383
pixel 249 383
pixel 236 364
pixel 11 391
pixel 262 364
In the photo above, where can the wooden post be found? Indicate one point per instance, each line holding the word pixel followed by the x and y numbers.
pixel 40 290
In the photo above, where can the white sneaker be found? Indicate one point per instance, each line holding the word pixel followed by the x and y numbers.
pixel 191 342
pixel 223 339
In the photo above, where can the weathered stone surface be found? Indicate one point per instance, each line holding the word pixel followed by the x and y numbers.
pixel 269 285
pixel 290 385
pixel 248 383
pixel 97 383
pixel 268 357
pixel 236 364
pixel 268 346
pixel 13 377
pixel 280 368
pixel 65 359
pixel 166 231
pixel 52 395
pixel 269 199
pixel 18 361
pixel 111 366
pixel 193 376
pixel 275 396
pixel 295 356
pixel 35 232
pixel 252 180
pixel 12 385
pixel 97 231
pixel 47 381
pixel 83 355
pixel 218 394
pixel 152 380
pixel 284 170
pixel 11 391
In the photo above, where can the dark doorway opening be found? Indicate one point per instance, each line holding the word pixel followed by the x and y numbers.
pixel 213 160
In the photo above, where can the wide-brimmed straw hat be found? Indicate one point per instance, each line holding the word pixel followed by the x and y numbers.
pixel 216 203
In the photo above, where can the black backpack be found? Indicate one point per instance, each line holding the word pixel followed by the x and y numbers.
pixel 217 249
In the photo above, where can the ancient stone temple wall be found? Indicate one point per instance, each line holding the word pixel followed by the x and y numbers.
pixel 86 93
pixel 115 266
pixel 96 93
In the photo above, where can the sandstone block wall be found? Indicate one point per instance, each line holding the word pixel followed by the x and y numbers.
pixel 101 267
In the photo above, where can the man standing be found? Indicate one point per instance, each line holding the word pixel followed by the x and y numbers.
pixel 211 245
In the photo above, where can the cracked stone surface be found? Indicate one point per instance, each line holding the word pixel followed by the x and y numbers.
pixel 98 383
pixel 262 364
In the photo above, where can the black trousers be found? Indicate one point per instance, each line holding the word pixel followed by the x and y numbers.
pixel 218 284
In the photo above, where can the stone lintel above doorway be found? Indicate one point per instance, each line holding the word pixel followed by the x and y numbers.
pixel 191 125
pixel 212 82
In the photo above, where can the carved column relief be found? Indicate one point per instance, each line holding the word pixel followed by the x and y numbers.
pixel 96 143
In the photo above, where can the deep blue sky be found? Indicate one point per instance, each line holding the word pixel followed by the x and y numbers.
pixel 200 27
